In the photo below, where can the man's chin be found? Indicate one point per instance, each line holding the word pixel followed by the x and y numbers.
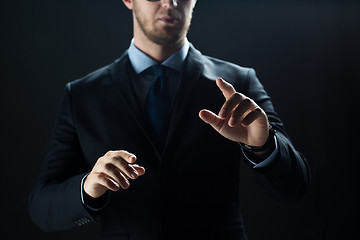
pixel 167 40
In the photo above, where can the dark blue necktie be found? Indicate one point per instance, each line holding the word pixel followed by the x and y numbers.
pixel 158 104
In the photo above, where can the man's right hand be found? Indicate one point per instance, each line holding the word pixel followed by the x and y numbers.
pixel 111 172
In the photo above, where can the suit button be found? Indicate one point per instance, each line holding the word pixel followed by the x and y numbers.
pixel 81 221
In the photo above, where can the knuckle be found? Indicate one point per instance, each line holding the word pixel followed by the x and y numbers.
pixel 99 177
pixel 237 95
pixel 116 159
pixel 235 98
pixel 100 164
pixel 246 101
pixel 100 160
pixel 259 111
pixel 123 152
pixel 108 153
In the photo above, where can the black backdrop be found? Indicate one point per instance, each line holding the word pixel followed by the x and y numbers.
pixel 306 54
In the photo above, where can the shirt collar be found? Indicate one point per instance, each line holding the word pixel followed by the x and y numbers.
pixel 140 61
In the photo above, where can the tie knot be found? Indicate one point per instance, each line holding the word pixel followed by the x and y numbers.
pixel 158 70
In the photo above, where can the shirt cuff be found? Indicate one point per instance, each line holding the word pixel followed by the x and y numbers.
pixel 101 203
pixel 268 160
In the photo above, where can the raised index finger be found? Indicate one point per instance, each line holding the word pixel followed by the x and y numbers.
pixel 226 88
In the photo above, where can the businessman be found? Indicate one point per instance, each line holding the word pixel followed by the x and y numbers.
pixel 150 146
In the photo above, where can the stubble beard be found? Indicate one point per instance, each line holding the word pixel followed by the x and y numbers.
pixel 170 36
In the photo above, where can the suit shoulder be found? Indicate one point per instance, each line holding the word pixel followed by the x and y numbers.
pixel 214 68
pixel 94 78
pixel 99 78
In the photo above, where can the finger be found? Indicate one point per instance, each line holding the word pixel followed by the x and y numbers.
pixel 246 106
pixel 129 157
pixel 127 168
pixel 120 182
pixel 107 182
pixel 122 160
pixel 114 174
pixel 116 163
pixel 252 116
pixel 230 104
pixel 226 88
pixel 114 186
pixel 212 119
pixel 139 169
pixel 124 182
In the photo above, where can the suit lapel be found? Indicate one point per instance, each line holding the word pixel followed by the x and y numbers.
pixel 192 70
pixel 122 73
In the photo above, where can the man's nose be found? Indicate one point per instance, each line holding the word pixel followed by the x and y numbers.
pixel 169 3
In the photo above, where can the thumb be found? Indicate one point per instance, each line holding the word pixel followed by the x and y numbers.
pixel 211 118
pixel 226 88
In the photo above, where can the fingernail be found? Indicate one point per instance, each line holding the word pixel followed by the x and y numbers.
pixel 132 159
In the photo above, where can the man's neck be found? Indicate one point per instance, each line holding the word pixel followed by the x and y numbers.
pixel 156 51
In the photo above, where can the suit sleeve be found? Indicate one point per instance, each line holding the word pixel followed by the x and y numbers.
pixel 55 202
pixel 289 173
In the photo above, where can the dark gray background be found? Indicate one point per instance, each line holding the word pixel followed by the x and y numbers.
pixel 306 54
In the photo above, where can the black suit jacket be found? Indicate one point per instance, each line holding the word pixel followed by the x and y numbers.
pixel 191 187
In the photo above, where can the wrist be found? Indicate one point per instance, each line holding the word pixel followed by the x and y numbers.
pixel 261 155
pixel 264 147
pixel 91 203
pixel 258 154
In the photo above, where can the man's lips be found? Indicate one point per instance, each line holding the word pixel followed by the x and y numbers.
pixel 167 19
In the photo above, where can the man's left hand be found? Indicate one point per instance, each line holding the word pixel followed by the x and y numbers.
pixel 240 118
